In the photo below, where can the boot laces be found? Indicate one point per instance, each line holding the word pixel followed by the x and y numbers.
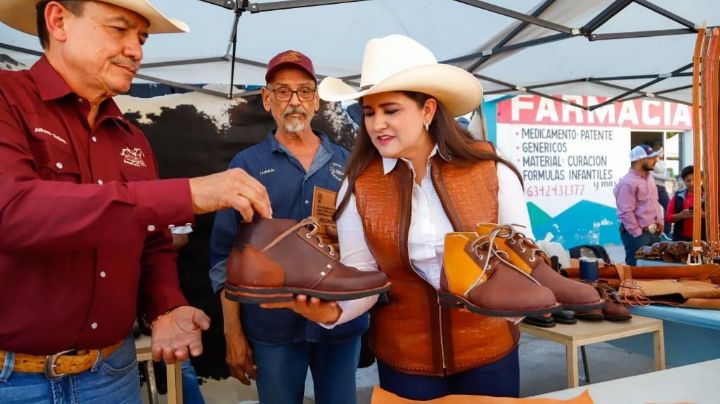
pixel 487 243
pixel 513 236
pixel 312 222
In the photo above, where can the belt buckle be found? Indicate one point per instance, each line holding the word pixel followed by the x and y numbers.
pixel 50 365
pixel 653 228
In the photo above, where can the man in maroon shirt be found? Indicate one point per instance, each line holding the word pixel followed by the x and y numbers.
pixel 84 221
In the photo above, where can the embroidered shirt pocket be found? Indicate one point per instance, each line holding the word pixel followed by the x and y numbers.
pixel 55 162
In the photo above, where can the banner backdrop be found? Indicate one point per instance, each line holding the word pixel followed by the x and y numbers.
pixel 570 159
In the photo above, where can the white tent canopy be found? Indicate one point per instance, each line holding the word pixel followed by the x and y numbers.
pixel 519 46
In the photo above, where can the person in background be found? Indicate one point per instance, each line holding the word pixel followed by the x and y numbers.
pixel 638 209
pixel 276 343
pixel 662 180
pixel 85 221
pixel 681 206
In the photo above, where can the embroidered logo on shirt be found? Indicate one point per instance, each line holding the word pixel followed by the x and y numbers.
pixel 337 171
pixel 133 157
pixel 47 132
pixel 267 171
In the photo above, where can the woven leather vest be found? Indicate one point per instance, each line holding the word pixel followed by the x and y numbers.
pixel 413 333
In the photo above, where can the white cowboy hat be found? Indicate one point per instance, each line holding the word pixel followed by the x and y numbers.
pixel 21 15
pixel 398 63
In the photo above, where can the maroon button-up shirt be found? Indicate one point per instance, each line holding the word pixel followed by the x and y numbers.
pixel 84 220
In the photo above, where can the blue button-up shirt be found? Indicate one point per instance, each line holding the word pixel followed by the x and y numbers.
pixel 291 193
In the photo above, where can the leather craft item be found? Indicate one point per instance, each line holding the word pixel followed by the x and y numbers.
pixel 381 396
pixel 590 315
pixel 528 257
pixel 695 272
pixel 274 259
pixel 63 363
pixel 614 308
pixel 480 277
pixel 696 293
pixel 669 251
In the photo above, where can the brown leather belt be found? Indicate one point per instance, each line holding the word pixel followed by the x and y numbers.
pixel 62 363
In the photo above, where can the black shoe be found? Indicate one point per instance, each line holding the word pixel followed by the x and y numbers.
pixel 564 317
pixel 540 321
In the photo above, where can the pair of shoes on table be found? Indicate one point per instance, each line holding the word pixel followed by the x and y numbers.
pixel 497 271
pixel 272 260
pixel 612 310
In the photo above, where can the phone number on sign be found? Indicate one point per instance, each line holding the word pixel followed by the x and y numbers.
pixel 554 190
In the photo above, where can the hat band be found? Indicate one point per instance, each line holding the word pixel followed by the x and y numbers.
pixel 366 87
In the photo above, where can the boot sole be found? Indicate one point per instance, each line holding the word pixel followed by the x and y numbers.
pixel 450 300
pixel 584 306
pixel 247 294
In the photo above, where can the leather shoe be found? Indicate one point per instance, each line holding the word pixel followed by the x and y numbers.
pixel 274 259
pixel 590 315
pixel 614 309
pixel 532 260
pixel 479 277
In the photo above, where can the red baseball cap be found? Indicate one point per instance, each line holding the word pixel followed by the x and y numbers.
pixel 289 58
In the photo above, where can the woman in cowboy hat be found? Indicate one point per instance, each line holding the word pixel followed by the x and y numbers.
pixel 413 176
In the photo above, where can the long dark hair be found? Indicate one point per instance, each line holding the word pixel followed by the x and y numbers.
pixel 453 141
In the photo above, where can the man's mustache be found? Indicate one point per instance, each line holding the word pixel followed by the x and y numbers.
pixel 294 110
pixel 129 64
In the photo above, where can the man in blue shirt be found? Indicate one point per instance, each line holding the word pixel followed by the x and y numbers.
pixel 290 163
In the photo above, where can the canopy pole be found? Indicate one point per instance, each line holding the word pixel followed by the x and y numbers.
pixel 233 42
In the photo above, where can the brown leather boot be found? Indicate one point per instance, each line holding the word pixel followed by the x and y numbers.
pixel 274 259
pixel 479 277
pixel 527 256
pixel 614 309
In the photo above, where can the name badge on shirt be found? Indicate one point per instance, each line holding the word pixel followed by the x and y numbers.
pixel 323 208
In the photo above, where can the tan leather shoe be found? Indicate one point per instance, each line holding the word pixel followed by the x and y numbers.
pixel 274 259
pixel 478 276
pixel 527 256
pixel 614 309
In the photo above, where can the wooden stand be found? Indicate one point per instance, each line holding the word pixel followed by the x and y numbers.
pixel 584 333
pixel 174 372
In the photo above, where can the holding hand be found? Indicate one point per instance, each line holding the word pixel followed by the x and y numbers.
pixel 176 335
pixel 313 309
pixel 239 357
pixel 233 188
pixel 686 214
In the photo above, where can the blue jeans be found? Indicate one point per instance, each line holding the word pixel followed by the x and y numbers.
pixel 501 378
pixel 632 244
pixel 282 369
pixel 111 380
pixel 190 387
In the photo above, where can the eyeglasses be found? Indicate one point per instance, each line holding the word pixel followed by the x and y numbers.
pixel 285 93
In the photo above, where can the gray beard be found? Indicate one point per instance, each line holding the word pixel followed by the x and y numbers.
pixel 294 126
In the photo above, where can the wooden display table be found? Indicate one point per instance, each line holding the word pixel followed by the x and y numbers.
pixel 174 372
pixel 584 333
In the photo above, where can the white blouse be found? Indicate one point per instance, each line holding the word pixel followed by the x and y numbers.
pixel 428 226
